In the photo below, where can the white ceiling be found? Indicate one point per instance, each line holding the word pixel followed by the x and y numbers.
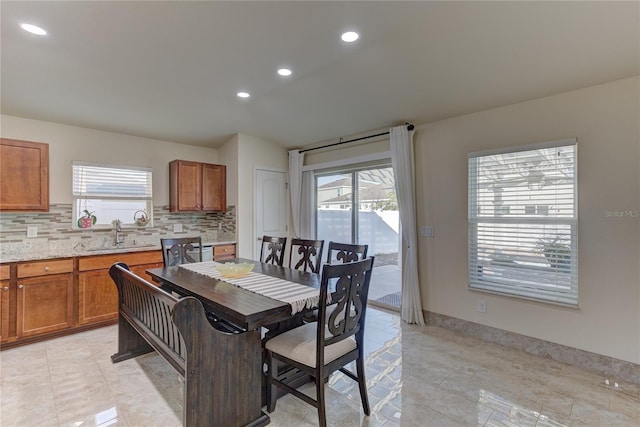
pixel 171 70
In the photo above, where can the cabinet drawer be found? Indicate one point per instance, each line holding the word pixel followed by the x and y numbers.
pixel 224 250
pixel 4 272
pixel 106 261
pixel 41 268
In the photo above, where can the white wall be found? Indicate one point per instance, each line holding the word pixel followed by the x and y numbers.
pixel 228 155
pixel 68 143
pixel 253 153
pixel 605 119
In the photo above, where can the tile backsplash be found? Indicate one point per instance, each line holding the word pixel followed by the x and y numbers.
pixel 56 236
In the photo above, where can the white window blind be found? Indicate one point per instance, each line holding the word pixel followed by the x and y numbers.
pixel 523 216
pixel 112 192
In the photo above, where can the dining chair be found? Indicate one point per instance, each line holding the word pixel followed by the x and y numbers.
pixel 181 250
pixel 346 252
pixel 306 254
pixel 326 346
pixel 272 250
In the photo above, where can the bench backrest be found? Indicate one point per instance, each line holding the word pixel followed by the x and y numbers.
pixel 149 310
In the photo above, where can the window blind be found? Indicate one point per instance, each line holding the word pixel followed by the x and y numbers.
pixel 92 180
pixel 523 222
pixel 112 193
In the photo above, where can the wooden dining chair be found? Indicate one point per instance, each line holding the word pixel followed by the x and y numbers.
pixel 306 255
pixel 181 250
pixel 345 252
pixel 272 250
pixel 325 346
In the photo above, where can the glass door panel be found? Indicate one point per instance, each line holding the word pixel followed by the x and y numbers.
pixel 360 206
pixel 334 198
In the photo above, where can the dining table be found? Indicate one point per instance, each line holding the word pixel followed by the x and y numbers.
pixel 239 307
pixel 238 310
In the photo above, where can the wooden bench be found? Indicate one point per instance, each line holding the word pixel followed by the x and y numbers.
pixel 215 359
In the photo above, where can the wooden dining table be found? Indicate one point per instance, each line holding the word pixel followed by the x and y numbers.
pixel 239 307
pixel 242 312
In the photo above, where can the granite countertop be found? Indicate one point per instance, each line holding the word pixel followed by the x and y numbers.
pixel 40 253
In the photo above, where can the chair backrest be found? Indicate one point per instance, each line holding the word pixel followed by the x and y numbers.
pixel 306 254
pixel 272 250
pixel 181 251
pixel 346 252
pixel 345 315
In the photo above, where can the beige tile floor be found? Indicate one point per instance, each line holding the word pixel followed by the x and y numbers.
pixel 417 376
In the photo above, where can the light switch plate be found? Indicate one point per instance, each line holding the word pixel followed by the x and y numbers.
pixel 32 231
pixel 177 228
pixel 426 231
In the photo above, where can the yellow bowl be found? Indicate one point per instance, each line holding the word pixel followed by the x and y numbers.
pixel 231 269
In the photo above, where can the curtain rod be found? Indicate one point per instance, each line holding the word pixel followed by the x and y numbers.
pixel 409 127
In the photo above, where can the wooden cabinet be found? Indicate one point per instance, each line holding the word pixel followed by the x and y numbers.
pixel 44 297
pixel 4 302
pixel 97 294
pixel 224 252
pixel 195 186
pixel 24 175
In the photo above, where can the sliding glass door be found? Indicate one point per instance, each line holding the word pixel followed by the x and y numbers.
pixel 360 206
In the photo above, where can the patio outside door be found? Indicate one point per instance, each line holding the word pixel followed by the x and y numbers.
pixel 360 206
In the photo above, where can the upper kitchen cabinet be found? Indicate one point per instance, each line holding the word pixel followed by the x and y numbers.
pixel 24 176
pixel 195 186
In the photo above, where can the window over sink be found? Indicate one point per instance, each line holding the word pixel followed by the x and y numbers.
pixel 103 194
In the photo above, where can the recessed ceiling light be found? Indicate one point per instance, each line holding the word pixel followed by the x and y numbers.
pixel 284 72
pixel 350 36
pixel 33 29
pixel 243 94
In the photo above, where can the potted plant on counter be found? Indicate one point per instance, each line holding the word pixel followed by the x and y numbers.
pixel 87 219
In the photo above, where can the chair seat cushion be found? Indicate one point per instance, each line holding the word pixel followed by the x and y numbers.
pixel 299 344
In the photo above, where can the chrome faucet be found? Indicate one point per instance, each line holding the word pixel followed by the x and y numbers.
pixel 119 237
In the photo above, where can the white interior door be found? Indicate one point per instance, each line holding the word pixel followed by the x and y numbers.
pixel 271 206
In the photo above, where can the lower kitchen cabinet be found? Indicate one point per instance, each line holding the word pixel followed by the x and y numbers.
pixel 44 304
pixel 140 270
pixel 4 302
pixel 97 297
pixel 224 252
pixel 97 294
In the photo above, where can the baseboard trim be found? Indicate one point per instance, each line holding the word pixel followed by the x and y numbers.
pixel 614 369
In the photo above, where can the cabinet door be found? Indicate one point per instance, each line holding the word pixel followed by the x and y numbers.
pixel 24 175
pixel 140 270
pixel 214 187
pixel 4 310
pixel 97 297
pixel 185 186
pixel 45 304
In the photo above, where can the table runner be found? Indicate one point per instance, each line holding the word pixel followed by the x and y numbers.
pixel 296 295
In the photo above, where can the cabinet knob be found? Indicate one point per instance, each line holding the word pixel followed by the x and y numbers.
pixel 20 286
pixel 46 269
pixel 5 288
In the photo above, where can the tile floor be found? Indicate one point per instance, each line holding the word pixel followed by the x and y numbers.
pixel 417 376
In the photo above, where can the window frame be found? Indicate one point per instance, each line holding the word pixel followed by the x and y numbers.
pixel 127 221
pixel 513 275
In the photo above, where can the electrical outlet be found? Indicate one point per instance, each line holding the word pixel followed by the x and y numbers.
pixel 481 306
pixel 177 228
pixel 426 231
pixel 32 231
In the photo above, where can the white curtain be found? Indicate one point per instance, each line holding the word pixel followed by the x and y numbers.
pixel 296 160
pixel 307 206
pixel 403 170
